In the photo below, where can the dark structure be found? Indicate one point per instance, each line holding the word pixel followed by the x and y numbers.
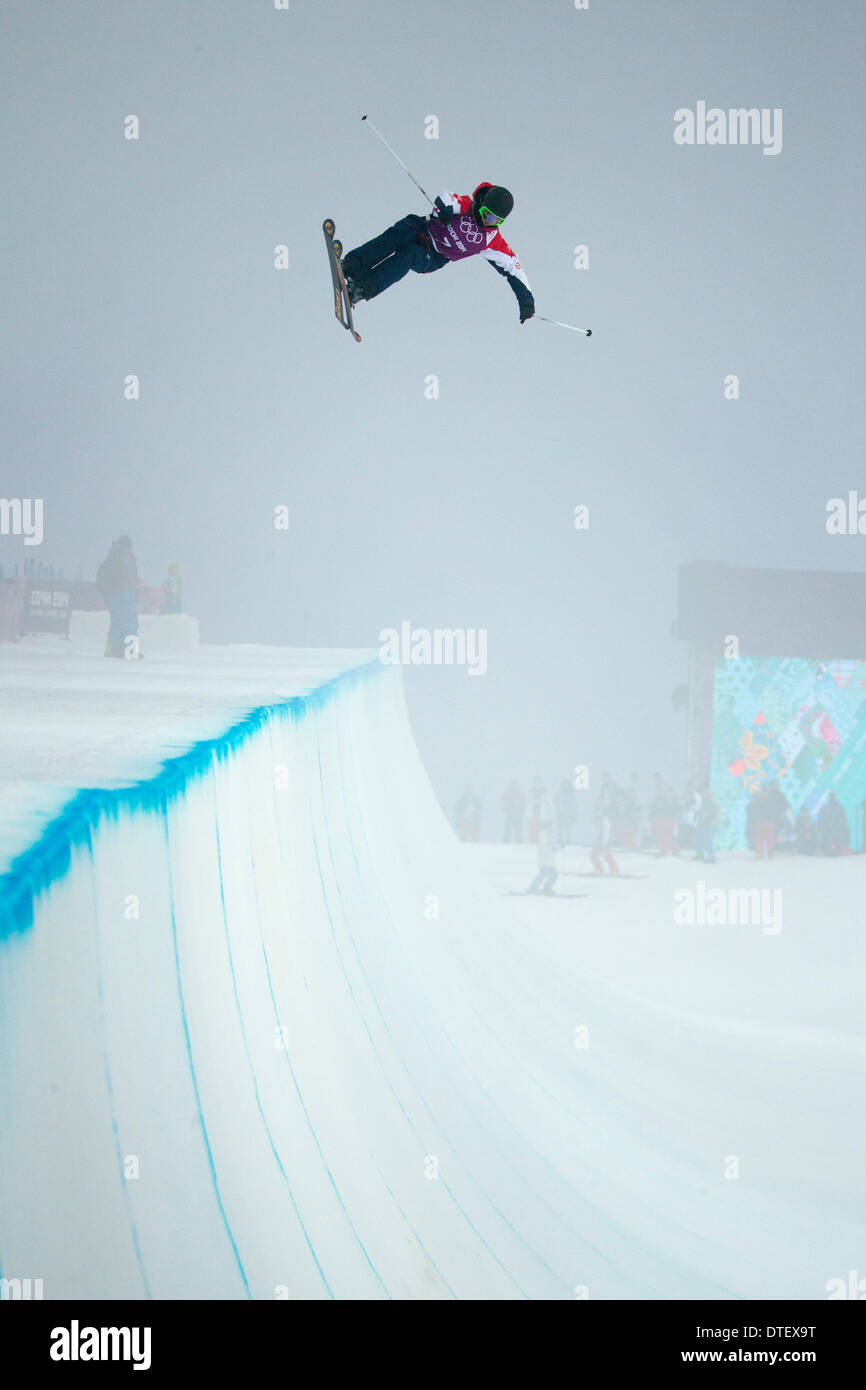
pixel 816 614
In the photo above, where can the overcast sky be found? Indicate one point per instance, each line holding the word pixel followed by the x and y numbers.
pixel 156 257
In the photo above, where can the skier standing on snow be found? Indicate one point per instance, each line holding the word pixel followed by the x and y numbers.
pixel 547 870
pixel 459 226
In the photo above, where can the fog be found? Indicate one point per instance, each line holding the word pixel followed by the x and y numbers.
pixel 155 257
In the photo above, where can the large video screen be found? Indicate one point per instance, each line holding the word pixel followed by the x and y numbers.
pixel 797 722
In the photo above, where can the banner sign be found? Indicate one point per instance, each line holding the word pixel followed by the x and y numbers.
pixel 47 609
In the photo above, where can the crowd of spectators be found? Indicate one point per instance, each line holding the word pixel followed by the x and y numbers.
pixel 771 826
pixel 664 821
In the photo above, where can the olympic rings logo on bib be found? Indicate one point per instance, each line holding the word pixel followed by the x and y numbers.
pixel 470 230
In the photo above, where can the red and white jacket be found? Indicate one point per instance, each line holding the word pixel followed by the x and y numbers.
pixel 465 236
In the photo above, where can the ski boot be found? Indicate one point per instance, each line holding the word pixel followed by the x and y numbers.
pixel 355 290
pixel 354 286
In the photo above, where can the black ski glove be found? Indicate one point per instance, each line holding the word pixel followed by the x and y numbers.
pixel 445 213
pixel 527 311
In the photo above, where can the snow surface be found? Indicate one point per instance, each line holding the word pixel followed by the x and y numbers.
pixel 267 1030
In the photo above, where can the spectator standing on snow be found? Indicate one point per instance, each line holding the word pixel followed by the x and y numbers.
pixel 806 836
pixel 706 820
pixel 467 815
pixel 833 827
pixel 662 812
pixel 537 799
pixel 629 815
pixel 513 806
pixel 172 586
pixel 769 813
pixel 565 805
pixel 688 817
pixel 752 808
pixel 764 810
pixel 778 808
pixel 117 580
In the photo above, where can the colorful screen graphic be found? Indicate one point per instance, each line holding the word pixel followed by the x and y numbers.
pixel 800 723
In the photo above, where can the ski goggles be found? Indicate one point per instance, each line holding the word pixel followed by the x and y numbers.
pixel 492 219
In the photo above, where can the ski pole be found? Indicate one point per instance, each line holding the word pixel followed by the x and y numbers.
pixel 587 332
pixel 400 162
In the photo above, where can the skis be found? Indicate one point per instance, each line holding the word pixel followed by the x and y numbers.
pixel 523 893
pixel 601 873
pixel 342 307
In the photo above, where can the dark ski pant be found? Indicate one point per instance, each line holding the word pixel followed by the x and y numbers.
pixel 380 263
pixel 543 881
pixel 597 854
pixel 124 621
pixel 704 837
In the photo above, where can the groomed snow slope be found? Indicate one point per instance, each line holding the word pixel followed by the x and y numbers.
pixel 264 1032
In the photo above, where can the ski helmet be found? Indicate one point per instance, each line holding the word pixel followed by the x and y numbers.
pixel 496 199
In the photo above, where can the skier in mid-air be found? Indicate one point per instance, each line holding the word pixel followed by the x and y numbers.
pixel 459 226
